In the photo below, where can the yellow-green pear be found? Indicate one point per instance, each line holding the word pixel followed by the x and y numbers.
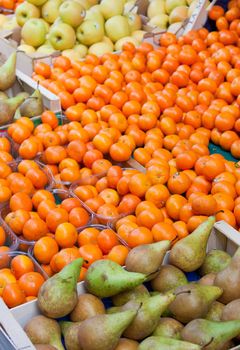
pixel 160 21
pixel 85 3
pixel 134 21
pixel 99 49
pixel 156 7
pixel 171 4
pixel 179 14
pixel 119 44
pixel 110 8
pixel 26 48
pixel 138 35
pixel 108 41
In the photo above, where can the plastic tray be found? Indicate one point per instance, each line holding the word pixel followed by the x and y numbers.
pixel 6 258
pixel 13 150
pixel 59 195
pixel 11 239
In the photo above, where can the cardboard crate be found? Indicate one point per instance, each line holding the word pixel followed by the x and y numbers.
pixel 9 41
pixel 222 237
pixel 25 83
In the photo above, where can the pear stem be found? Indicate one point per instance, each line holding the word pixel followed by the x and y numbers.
pixel 211 340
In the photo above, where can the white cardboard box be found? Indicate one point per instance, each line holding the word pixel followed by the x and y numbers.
pixel 223 237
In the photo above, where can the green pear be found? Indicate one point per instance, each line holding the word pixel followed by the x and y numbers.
pixel 189 253
pixel 169 277
pixel 127 344
pixel 9 107
pixel 106 278
pixel 229 279
pixel 147 258
pixel 208 280
pixel 147 316
pixel 169 328
pixel 102 332
pixel 43 330
pixel 139 293
pixel 57 296
pixel 163 343
pixel 33 105
pixel 87 306
pixel 3 96
pixel 8 72
pixel 215 261
pixel 211 335
pixel 215 312
pixel 193 301
pixel 70 334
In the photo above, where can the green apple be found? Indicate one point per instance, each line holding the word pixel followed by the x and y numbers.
pixel 85 4
pixel 72 13
pixel 117 27
pixel 134 21
pixel 90 32
pixel 50 10
pixel 81 50
pixel 110 8
pixel 99 49
pixel 45 49
pixel 37 2
pixel 156 7
pixel 179 14
pixel 3 20
pixel 46 24
pixel 26 11
pixel 127 39
pixel 10 24
pixel 62 37
pixel 171 4
pixel 175 28
pixel 108 41
pixel 95 14
pixel 160 21
pixel 138 35
pixel 26 48
pixel 34 32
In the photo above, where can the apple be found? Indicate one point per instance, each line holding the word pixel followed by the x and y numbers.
pixel 50 10
pixel 46 24
pixel 138 35
pixel 37 2
pixel 160 21
pixel 62 36
pixel 171 4
pixel 26 48
pixel 95 14
pixel 179 14
pixel 3 20
pixel 90 32
pixel 34 32
pixel 110 8
pixel 117 27
pixel 93 2
pixel 119 44
pixel 26 11
pixel 80 49
pixel 45 49
pixel 176 28
pixel 85 4
pixel 10 24
pixel 72 13
pixel 108 41
pixel 134 21
pixel 99 49
pixel 156 7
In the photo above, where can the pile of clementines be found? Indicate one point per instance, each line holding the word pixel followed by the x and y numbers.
pixel 68 186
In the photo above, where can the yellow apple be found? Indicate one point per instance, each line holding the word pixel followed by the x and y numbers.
pixel 119 44
pixel 179 14
pixel 156 7
pixel 99 49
